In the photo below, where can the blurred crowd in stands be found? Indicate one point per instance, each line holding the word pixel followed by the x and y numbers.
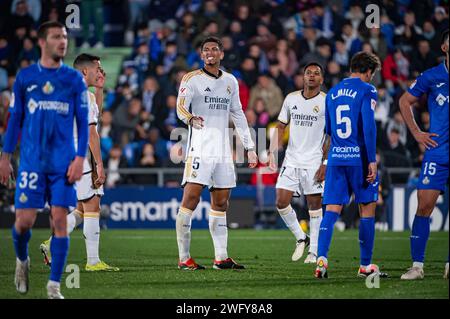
pixel 266 45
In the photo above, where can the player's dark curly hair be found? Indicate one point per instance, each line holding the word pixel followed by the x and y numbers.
pixel 362 62
pixel 43 28
pixel 212 39
pixel 83 59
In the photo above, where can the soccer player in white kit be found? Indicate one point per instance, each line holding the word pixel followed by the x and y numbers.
pixel 90 186
pixel 304 165
pixel 206 99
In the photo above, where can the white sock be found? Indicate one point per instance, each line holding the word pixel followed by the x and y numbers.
pixel 418 264
pixel 183 227
pixel 91 231
pixel 315 218
pixel 219 233
pixel 290 219
pixel 74 219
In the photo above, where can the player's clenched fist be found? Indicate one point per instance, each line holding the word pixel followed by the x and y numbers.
pixel 196 122
pixel 252 159
pixel 75 170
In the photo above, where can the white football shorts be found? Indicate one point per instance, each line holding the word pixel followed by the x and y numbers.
pixel 299 181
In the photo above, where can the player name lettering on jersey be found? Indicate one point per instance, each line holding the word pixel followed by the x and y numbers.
pixel 344 92
pixel 217 102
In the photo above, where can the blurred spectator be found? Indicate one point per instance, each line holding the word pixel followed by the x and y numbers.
pixel 260 58
pixel 129 76
pixel 355 15
pixel 211 29
pixel 323 20
pixel 262 116
pixel 92 9
pixel 333 74
pixel 423 58
pixel 125 120
pixel 210 12
pixel 148 159
pixel 142 61
pixel 152 96
pixel 440 19
pixel 247 22
pixel 168 118
pixel 280 78
pixel 34 8
pixel 269 92
pixel 239 38
pixel 232 56
pixel 322 54
pixel 138 12
pixel 430 34
pixel 352 41
pixel 160 145
pixel 263 38
pixel 106 133
pixel 248 71
pixel 287 60
pixel 378 42
pixel 395 69
pixel 397 123
pixel 20 18
pixel 382 111
pixel 341 55
pixel 29 51
pixel 5 53
pixel 407 33
pixel 308 42
pixel 188 29
pixel 115 161
pixel 266 17
pixel 194 58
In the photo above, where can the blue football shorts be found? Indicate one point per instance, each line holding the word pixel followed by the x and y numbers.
pixel 34 189
pixel 433 175
pixel 342 181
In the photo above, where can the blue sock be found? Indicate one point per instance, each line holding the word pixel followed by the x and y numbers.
pixel 419 237
pixel 59 249
pixel 20 242
pixel 366 239
pixel 326 232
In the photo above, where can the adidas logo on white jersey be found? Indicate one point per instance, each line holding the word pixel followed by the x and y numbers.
pixel 207 89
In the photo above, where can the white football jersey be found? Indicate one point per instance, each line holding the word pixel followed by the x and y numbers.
pixel 214 99
pixel 306 119
pixel 93 117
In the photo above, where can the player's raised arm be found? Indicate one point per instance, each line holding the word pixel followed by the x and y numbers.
pixel 241 124
pixel 184 99
pixel 370 131
pixel 13 130
pixel 407 101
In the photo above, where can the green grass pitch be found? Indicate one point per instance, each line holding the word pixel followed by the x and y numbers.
pixel 148 262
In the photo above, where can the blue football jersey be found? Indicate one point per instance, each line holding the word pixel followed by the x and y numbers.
pixel 43 107
pixel 350 122
pixel 434 82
